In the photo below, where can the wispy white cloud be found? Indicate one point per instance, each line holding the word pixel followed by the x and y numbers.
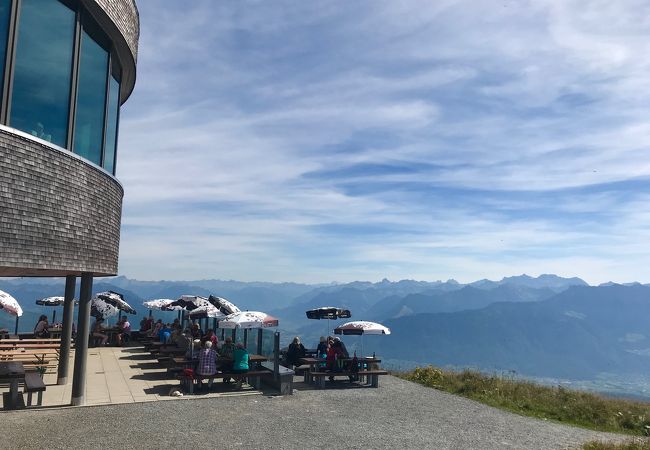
pixel 337 141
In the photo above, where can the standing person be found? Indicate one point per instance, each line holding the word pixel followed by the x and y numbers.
pixel 41 328
pixel 207 366
pixel 295 352
pixel 240 362
pixel 125 331
pixel 98 331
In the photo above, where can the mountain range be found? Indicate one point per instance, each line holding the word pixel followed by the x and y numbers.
pixel 545 326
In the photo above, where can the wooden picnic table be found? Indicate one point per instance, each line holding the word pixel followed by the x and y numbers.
pixel 314 362
pixel 12 372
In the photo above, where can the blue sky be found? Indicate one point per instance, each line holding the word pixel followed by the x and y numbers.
pixel 336 141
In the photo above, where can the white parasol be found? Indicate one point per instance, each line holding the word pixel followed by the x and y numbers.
pixel 117 300
pixel 248 319
pixel 361 328
pixel 161 304
pixel 10 304
pixel 100 309
pixel 208 311
pixel 223 305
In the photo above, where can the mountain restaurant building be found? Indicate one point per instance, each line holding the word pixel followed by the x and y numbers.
pixel 66 67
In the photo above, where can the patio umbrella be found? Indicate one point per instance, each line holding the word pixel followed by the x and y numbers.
pixel 248 319
pixel 223 305
pixel 188 303
pixel 10 305
pixel 329 313
pixel 161 304
pixel 361 328
pixel 100 309
pixel 209 311
pixel 117 300
pixel 53 301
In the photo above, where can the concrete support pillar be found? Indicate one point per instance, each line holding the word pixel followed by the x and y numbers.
pixel 66 333
pixel 260 334
pixel 81 343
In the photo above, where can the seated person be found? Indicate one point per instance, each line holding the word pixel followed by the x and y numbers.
pixel 295 352
pixel 341 344
pixel 321 350
pixel 98 331
pixel 165 334
pixel 228 348
pixel 207 366
pixel 145 324
pixel 125 331
pixel 41 328
pixel 240 362
pixel 156 329
pixel 210 336
pixel 195 348
pixel 184 342
pixel 196 331
pixel 227 351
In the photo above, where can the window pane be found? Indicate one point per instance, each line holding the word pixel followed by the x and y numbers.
pixel 91 97
pixel 41 90
pixel 111 125
pixel 5 12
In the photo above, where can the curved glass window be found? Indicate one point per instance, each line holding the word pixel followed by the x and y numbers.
pixel 5 14
pixel 43 69
pixel 91 100
pixel 111 125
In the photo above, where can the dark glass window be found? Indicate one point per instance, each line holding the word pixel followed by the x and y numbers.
pixel 41 87
pixel 91 100
pixel 111 125
pixel 5 13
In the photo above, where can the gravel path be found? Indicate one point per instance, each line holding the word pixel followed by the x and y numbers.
pixel 399 414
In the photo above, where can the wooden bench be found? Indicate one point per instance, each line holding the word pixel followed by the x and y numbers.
pixel 256 374
pixel 34 383
pixel 373 376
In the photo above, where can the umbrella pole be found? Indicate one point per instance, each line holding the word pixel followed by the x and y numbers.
pixel 54 314
pixel 150 312
pixel 16 331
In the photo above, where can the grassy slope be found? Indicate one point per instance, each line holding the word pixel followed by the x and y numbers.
pixel 552 403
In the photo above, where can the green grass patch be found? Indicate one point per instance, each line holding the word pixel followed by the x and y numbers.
pixel 636 444
pixel 530 399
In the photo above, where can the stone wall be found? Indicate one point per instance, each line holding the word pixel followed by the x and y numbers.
pixel 59 215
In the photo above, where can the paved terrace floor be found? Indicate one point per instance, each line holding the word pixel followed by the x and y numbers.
pixel 399 414
pixel 122 375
